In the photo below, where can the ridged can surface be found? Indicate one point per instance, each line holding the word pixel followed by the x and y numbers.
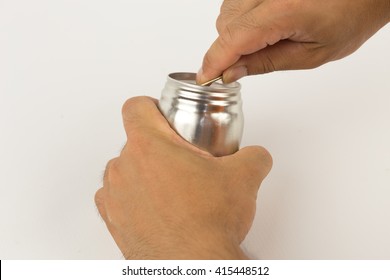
pixel 210 117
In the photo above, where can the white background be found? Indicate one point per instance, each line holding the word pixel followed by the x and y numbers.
pixel 66 67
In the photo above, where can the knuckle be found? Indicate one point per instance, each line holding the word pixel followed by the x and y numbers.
pixel 231 8
pixel 111 172
pixel 128 105
pixel 220 23
pixel 227 35
pixel 268 65
pixel 315 56
pixel 232 32
pixel 264 157
pixel 134 107
pixel 111 164
pixel 229 11
pixel 248 21
pixel 260 63
pixel 99 199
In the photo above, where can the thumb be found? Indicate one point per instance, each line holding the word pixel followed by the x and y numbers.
pixel 284 55
pixel 254 164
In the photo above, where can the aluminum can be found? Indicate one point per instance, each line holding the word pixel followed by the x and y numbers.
pixel 209 117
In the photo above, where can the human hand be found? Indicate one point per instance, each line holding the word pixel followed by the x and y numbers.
pixel 260 36
pixel 164 198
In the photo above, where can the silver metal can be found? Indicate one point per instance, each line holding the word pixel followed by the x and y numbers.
pixel 210 117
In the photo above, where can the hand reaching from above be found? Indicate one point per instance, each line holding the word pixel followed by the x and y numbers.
pixel 261 36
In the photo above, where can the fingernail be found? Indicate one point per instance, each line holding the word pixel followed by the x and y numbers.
pixel 235 74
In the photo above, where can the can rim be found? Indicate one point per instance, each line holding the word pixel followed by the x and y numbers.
pixel 183 78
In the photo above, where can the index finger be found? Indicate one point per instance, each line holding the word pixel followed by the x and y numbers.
pixel 245 35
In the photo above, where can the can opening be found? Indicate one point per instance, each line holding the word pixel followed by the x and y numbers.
pixel 190 79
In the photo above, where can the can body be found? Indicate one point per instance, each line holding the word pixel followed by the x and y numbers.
pixel 210 117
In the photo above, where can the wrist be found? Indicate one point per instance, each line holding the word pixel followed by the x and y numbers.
pixel 210 248
pixel 191 247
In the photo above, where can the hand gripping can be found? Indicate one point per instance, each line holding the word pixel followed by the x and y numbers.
pixel 210 117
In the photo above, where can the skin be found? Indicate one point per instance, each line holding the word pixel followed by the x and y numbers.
pixel 163 198
pixel 261 36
